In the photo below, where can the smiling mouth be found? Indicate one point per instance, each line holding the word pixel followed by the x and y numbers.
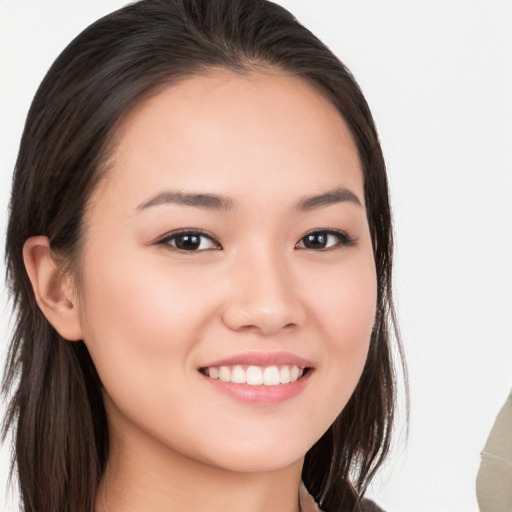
pixel 256 375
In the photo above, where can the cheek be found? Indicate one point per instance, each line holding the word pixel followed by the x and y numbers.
pixel 345 312
pixel 345 304
pixel 141 327
pixel 139 318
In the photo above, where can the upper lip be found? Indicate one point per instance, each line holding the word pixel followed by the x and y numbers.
pixel 262 359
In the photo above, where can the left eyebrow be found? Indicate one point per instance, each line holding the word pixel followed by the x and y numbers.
pixel 336 195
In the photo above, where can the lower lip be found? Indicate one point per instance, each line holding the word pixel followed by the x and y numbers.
pixel 266 395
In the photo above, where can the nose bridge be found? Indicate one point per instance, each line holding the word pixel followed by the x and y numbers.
pixel 268 275
pixel 263 290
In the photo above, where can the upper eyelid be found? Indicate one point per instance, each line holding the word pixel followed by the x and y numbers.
pixel 187 231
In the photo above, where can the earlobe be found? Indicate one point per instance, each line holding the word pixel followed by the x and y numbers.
pixel 54 292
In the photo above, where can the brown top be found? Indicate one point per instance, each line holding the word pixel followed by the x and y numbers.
pixel 308 504
pixel 493 483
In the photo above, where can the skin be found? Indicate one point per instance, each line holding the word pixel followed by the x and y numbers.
pixel 152 315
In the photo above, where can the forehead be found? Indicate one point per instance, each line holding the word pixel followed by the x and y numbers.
pixel 241 133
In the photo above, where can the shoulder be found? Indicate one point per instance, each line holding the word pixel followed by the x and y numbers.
pixel 370 506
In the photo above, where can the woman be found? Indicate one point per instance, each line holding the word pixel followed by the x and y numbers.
pixel 199 249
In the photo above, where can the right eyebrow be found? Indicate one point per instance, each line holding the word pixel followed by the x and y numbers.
pixel 203 200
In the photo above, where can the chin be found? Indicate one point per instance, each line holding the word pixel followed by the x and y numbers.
pixel 261 463
pixel 258 456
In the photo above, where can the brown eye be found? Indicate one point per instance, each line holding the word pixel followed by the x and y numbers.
pixel 191 241
pixel 325 240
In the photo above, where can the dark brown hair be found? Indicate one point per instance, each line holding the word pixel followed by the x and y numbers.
pixel 56 411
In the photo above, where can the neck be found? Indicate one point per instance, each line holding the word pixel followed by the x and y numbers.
pixel 142 475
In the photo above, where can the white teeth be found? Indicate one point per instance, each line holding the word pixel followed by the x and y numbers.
pixel 255 375
pixel 294 373
pixel 224 374
pixel 271 376
pixel 284 375
pixel 238 375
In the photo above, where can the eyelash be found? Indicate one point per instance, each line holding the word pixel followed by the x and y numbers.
pixel 344 239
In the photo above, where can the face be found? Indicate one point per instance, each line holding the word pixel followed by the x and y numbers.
pixel 228 282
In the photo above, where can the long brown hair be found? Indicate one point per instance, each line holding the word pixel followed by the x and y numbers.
pixel 56 411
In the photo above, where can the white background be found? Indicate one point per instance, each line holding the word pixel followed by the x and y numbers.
pixel 438 77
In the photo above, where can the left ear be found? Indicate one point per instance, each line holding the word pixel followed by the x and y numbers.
pixel 54 291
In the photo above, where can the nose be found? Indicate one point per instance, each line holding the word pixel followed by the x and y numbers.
pixel 263 295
